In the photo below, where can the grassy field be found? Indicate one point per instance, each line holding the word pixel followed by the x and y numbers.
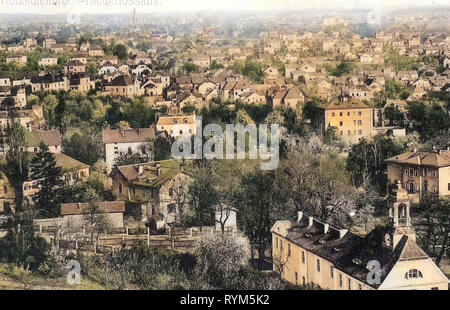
pixel 18 279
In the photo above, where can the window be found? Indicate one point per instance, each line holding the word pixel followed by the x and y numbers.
pixel 411 172
pixel 129 151
pixel 448 186
pixel 360 287
pixel 340 279
pixel 332 114
pixel 416 173
pixel 413 274
pixel 349 284
pixel 303 257
pixel 296 278
pixel 120 188
pixel 360 122
pixel 318 265
pixel 434 174
pixel 340 113
pixel 5 189
pixel 341 123
pixel 303 280
pixel 332 272
pixel 289 250
pixel 360 132
pixel 406 171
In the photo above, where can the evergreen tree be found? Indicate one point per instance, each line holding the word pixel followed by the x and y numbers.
pixel 16 162
pixel 49 176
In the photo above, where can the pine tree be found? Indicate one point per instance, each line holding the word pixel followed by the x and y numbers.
pixel 49 177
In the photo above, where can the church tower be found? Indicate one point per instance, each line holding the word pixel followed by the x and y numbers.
pixel 400 219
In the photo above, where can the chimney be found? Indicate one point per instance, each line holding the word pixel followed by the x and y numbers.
pixel 299 215
pixel 342 233
pixel 311 221
pixel 326 227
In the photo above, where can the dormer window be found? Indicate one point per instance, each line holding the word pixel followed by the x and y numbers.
pixel 413 274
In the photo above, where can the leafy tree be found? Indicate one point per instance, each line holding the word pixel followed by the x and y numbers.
pixel 95 218
pixel 84 146
pixel 432 224
pixel 128 159
pixel 261 204
pixel 162 148
pixel 366 160
pixel 49 179
pixel 343 68
pixel 189 68
pixel 121 51
pixel 394 115
pixel 218 259
pixel 203 198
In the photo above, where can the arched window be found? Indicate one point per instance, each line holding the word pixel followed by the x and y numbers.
pixel 413 274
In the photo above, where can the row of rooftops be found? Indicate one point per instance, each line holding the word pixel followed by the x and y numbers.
pixel 347 252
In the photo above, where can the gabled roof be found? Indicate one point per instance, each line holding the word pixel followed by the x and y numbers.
pixel 49 137
pixel 48 78
pixel 348 252
pixel 148 176
pixel 439 158
pixel 121 80
pixel 352 103
pixel 128 136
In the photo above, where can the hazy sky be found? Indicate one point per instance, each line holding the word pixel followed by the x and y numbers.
pixel 147 6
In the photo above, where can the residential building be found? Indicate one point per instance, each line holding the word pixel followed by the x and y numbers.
pixel 421 172
pixel 132 141
pixel 312 251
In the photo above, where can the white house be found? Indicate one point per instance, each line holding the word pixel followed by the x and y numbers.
pixel 132 141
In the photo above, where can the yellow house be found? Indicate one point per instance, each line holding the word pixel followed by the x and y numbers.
pixel 421 172
pixel 311 251
pixel 176 126
pixel 352 120
pixel 125 86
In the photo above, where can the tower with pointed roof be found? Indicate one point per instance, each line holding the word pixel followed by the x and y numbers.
pixel 400 217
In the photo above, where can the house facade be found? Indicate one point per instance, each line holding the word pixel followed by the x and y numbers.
pixel 311 251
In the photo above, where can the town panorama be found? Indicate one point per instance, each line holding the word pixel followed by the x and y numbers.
pixel 207 150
